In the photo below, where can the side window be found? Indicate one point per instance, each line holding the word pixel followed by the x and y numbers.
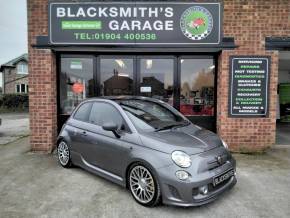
pixel 104 113
pixel 83 112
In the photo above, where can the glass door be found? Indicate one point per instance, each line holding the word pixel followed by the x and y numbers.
pixel 197 90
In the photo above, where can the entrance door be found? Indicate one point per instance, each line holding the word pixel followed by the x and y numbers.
pixel 197 90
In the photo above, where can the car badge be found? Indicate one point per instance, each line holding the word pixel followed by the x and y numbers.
pixel 219 160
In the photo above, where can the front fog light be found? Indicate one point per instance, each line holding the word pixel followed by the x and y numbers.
pixel 203 190
pixel 182 175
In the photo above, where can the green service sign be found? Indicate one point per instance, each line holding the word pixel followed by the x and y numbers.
pixel 249 86
pixel 161 23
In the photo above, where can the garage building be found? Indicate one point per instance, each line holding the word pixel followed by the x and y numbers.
pixel 223 64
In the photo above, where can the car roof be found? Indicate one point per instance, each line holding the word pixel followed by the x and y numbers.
pixel 124 97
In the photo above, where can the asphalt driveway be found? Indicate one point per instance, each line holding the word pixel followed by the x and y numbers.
pixel 14 126
pixel 34 185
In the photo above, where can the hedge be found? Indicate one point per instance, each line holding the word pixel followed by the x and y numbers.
pixel 14 101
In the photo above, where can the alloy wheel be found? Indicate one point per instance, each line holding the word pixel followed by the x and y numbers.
pixel 142 184
pixel 63 153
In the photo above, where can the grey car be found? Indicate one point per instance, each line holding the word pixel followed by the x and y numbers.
pixel 147 146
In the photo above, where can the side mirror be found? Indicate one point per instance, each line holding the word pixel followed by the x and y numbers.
pixel 111 127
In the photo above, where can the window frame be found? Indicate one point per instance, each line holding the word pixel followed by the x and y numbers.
pixel 21 65
pixel 17 88
pixel 20 86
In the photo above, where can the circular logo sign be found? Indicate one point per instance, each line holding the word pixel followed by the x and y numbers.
pixel 196 23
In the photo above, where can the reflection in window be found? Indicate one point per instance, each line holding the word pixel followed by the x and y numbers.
pixel 103 113
pixel 157 79
pixel 197 87
pixel 76 82
pixel 116 77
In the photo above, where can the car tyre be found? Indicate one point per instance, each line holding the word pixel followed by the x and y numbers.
pixel 63 154
pixel 143 186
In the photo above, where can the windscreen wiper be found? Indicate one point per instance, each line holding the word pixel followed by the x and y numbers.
pixel 184 123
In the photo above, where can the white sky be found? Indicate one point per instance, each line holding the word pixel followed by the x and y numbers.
pixel 13 30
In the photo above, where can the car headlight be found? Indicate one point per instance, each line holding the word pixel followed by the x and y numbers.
pixel 181 159
pixel 225 145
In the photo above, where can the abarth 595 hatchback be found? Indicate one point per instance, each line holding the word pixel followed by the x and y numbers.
pixel 148 147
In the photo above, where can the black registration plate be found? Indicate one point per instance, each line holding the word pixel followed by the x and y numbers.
pixel 221 178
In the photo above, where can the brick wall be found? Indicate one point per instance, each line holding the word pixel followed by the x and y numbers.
pixel 249 21
pixel 42 82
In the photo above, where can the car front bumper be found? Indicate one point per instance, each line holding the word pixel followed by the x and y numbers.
pixel 187 193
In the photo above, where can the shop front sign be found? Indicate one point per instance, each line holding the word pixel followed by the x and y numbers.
pixel 249 86
pixel 135 23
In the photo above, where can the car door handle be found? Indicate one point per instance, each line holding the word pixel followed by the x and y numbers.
pixel 84 133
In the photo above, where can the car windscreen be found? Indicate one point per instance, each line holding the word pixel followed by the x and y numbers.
pixel 149 115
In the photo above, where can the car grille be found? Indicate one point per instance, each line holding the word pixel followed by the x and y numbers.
pixel 213 164
pixel 209 162
pixel 213 160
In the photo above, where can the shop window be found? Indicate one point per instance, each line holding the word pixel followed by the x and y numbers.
pixel 116 76
pixel 22 68
pixel 157 79
pixel 76 82
pixel 197 87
